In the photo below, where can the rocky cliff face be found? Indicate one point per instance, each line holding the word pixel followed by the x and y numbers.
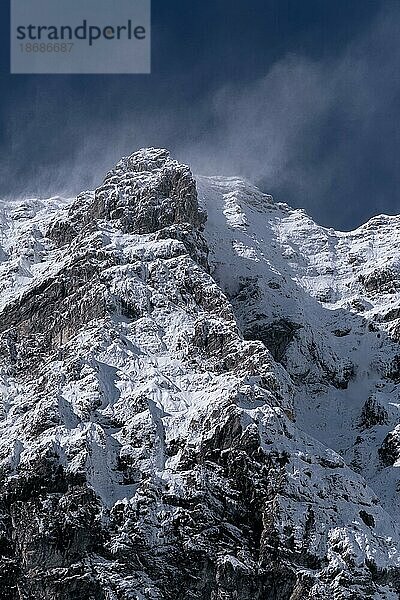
pixel 198 395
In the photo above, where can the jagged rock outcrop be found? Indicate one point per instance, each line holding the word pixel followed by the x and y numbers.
pixel 146 192
pixel 373 413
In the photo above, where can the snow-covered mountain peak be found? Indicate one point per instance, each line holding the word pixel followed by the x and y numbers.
pixel 198 395
pixel 146 160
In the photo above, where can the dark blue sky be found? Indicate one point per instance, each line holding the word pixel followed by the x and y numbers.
pixel 299 96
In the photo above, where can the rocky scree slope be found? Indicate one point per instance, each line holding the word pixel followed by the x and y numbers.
pixel 199 395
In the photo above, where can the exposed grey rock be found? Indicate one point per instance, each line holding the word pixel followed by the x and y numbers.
pixel 147 192
pixel 373 414
pixel 389 452
pixel 276 336
pixel 393 369
pixel 380 281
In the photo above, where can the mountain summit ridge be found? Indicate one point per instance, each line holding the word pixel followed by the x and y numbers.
pixel 199 395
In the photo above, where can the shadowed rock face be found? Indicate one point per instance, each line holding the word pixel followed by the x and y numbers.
pixel 149 448
pixel 373 414
pixel 49 314
pixel 380 281
pixel 276 336
pixel 389 452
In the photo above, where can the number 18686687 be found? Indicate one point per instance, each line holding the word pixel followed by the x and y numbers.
pixel 29 47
